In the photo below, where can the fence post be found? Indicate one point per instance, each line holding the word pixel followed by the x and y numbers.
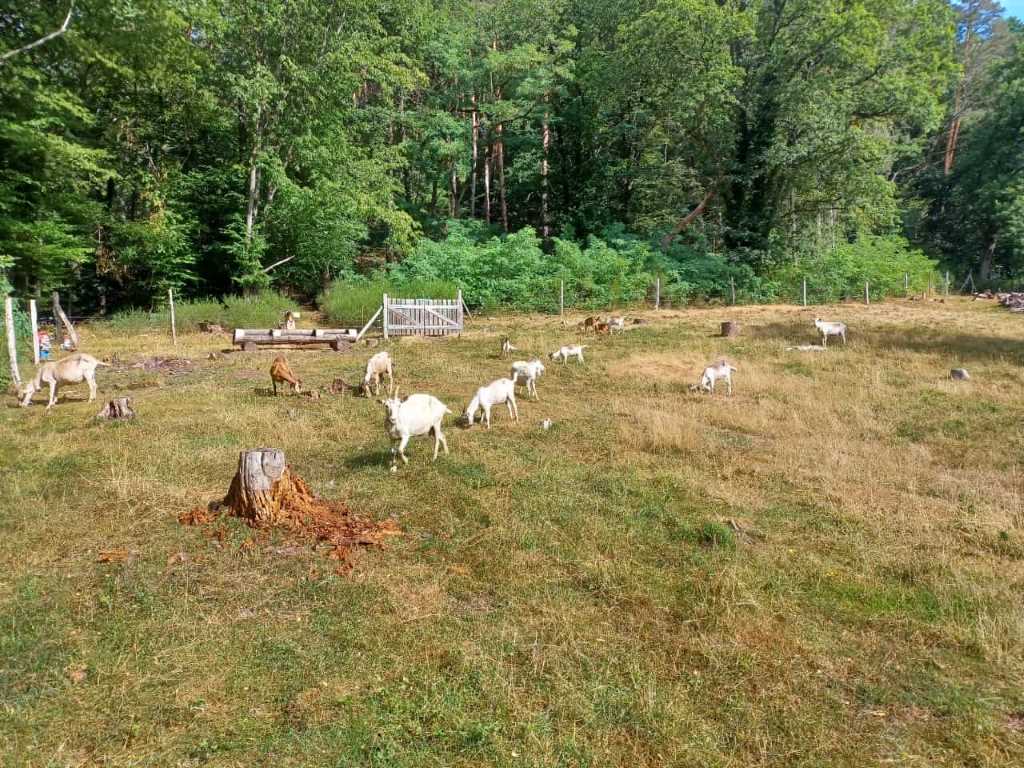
pixel 947 283
pixel 657 292
pixel 867 293
pixel 906 284
pixel 12 350
pixel 384 304
pixel 34 316
pixel 561 298
pixel 805 292
pixel 459 314
pixel 174 326
pixel 732 287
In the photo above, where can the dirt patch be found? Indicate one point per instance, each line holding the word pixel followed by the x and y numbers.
pixel 168 365
pixel 305 516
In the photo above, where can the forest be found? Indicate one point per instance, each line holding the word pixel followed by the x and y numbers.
pixel 222 147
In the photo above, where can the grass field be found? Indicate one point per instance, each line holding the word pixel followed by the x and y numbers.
pixel 825 569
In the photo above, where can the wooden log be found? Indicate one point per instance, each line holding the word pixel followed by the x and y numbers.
pixel 261 483
pixel 121 408
pixel 12 343
pixel 730 328
pixel 174 324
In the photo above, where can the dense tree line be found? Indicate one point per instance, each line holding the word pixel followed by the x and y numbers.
pixel 223 145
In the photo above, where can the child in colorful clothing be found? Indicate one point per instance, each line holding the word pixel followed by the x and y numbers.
pixel 44 345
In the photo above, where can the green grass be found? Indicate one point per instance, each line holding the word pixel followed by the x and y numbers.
pixel 353 303
pixel 824 569
pixel 263 310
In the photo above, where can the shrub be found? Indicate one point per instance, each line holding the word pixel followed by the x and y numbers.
pixel 262 310
pixel 353 301
pixel 881 260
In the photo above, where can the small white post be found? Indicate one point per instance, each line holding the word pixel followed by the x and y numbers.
pixel 906 284
pixel 867 294
pixel 34 316
pixel 12 350
pixel 732 286
pixel 460 305
pixel 174 327
pixel 947 283
pixel 657 292
pixel 561 298
pixel 805 292
pixel 384 305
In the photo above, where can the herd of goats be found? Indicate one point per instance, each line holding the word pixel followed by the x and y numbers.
pixel 417 414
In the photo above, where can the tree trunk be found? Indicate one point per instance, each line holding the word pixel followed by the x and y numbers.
pixel 64 326
pixel 951 140
pixel 500 152
pixel 12 343
pixel 730 328
pixel 453 199
pixel 476 155
pixel 545 220
pixel 487 185
pixel 261 483
pixel 250 211
pixel 684 222
pixel 987 259
pixel 121 408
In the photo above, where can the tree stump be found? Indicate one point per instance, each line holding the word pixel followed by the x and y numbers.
pixel 121 408
pixel 730 328
pixel 260 486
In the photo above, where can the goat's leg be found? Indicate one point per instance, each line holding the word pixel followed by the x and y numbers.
pixel 53 395
pixel 440 436
pixel 92 387
pixel 401 449
pixel 513 409
pixel 844 338
pixel 728 384
pixel 487 420
pixel 274 382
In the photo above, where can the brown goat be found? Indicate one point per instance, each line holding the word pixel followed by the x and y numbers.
pixel 280 372
pixel 602 329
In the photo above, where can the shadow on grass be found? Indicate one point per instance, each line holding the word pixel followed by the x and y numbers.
pixel 925 340
pixel 367 459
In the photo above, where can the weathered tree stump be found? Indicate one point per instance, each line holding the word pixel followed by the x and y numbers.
pixel 730 328
pixel 121 408
pixel 262 482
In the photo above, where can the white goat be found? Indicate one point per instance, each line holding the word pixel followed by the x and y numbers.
pixel 506 347
pixel 70 370
pixel 495 393
pixel 616 325
pixel 718 371
pixel 416 415
pixel 830 329
pixel 376 367
pixel 565 353
pixel 527 373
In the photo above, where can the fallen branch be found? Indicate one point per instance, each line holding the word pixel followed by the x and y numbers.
pixel 687 220
pixel 277 264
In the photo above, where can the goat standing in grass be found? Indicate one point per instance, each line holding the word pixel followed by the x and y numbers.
pixel 830 329
pixel 280 372
pixel 70 370
pixel 495 393
pixel 416 415
pixel 506 347
pixel 718 371
pixel 564 353
pixel 376 367
pixel 527 373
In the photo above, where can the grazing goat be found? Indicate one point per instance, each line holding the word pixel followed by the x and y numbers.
pixel 830 329
pixel 617 324
pixel 495 393
pixel 720 370
pixel 416 415
pixel 376 367
pixel 527 374
pixel 288 322
pixel 70 370
pixel 602 329
pixel 565 353
pixel 588 324
pixel 506 347
pixel 280 372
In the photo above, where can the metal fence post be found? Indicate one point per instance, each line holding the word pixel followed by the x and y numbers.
pixel 384 305
pixel 805 292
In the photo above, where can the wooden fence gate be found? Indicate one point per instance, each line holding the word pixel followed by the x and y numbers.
pixel 422 317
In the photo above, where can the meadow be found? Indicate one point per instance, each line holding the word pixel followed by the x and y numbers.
pixel 825 568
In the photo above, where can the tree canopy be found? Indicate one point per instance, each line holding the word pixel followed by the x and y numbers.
pixel 217 146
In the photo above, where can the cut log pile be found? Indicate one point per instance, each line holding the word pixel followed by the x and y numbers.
pixel 1013 301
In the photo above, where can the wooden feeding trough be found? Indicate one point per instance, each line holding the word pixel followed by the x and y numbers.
pixel 337 339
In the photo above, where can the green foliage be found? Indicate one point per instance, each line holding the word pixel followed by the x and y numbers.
pixel 353 301
pixel 838 274
pixel 260 310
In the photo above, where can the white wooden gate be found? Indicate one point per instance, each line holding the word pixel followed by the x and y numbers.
pixel 422 317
